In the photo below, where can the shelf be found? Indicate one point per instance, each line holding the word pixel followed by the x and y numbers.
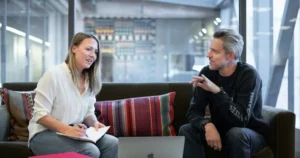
pixel 130 41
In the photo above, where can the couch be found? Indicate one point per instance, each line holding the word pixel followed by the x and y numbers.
pixel 282 122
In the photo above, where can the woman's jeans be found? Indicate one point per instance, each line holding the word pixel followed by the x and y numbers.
pixel 48 142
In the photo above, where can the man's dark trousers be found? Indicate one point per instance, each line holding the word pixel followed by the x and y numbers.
pixel 237 142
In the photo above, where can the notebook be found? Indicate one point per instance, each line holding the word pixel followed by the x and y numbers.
pixel 151 147
pixel 91 134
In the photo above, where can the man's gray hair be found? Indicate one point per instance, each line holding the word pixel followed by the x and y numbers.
pixel 232 41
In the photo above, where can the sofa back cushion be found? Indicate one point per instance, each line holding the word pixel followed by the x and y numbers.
pixel 141 116
pixel 20 107
pixel 114 91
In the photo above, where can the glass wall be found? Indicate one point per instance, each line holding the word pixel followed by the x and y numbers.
pixel 273 48
pixel 138 43
pixel 34 31
pixel 154 41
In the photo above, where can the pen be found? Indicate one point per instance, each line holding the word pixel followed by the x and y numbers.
pixel 79 127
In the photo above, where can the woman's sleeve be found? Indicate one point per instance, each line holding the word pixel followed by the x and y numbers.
pixel 45 95
pixel 91 108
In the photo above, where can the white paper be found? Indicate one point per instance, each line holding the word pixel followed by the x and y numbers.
pixel 91 134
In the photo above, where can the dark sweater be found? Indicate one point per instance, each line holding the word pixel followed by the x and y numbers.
pixel 238 105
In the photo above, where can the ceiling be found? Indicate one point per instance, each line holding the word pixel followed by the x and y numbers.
pixel 39 8
pixel 198 3
pixel 152 8
pixel 195 3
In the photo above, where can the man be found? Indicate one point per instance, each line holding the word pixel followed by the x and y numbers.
pixel 232 89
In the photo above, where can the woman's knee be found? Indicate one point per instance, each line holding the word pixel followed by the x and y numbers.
pixel 108 142
pixel 90 150
pixel 114 142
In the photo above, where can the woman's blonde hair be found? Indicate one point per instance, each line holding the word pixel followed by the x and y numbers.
pixel 94 72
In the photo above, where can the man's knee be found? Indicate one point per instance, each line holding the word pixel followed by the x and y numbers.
pixel 188 130
pixel 185 129
pixel 236 136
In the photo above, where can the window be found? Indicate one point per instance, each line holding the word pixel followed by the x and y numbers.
pixel 34 31
pixel 156 40
pixel 272 47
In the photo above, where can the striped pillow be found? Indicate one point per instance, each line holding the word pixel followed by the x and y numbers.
pixel 20 107
pixel 142 116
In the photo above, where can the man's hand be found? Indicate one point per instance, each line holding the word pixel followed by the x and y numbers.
pixel 212 137
pixel 203 82
pixel 98 125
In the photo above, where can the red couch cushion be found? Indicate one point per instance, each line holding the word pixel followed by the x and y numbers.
pixel 142 116
pixel 20 108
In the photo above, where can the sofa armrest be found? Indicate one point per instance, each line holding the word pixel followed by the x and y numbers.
pixel 4 123
pixel 282 131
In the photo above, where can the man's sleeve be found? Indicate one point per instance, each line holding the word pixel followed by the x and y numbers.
pixel 238 111
pixel 196 111
pixel 198 104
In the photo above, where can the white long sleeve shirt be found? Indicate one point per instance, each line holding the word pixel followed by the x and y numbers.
pixel 58 96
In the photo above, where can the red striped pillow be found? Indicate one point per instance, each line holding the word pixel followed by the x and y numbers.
pixel 142 116
pixel 20 107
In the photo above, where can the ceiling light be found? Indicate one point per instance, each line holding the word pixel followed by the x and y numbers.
pixel 200 34
pixel 264 33
pixel 23 34
pixel 234 19
pixel 293 20
pixel 261 9
pixel 218 20
pixel 285 27
pixel 216 23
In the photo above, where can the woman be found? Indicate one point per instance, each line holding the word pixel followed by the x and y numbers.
pixel 66 95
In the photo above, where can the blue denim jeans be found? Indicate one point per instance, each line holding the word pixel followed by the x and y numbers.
pixel 237 142
pixel 48 142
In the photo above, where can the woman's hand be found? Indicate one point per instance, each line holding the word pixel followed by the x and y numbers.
pixel 98 125
pixel 76 130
